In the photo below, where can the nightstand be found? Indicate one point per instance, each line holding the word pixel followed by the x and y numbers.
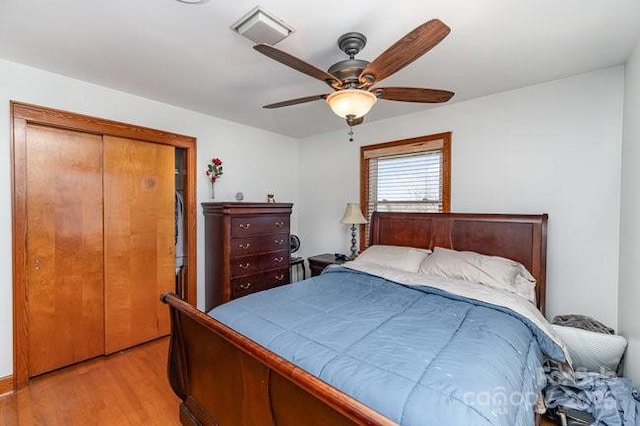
pixel 318 263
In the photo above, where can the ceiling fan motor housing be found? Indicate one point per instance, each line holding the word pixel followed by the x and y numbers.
pixel 348 71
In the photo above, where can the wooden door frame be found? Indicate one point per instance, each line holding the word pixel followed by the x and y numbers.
pixel 23 114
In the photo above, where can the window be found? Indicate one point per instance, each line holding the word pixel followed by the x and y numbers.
pixel 411 175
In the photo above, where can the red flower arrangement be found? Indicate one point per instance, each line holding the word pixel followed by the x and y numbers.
pixel 214 169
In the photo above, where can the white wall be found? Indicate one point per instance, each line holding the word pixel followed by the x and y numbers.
pixel 256 162
pixel 551 148
pixel 629 290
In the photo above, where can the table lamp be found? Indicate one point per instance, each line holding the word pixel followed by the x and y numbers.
pixel 353 216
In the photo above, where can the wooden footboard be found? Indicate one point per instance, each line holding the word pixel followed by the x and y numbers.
pixel 223 378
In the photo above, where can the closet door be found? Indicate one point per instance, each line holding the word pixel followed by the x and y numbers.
pixel 139 228
pixel 64 247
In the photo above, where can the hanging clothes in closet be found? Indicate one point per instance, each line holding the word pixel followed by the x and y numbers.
pixel 179 214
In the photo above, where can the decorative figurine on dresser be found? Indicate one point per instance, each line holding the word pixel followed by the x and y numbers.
pixel 246 249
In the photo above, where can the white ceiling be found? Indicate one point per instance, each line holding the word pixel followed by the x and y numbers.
pixel 186 55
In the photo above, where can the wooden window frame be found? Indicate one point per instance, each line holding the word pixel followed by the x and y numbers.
pixel 405 146
pixel 23 114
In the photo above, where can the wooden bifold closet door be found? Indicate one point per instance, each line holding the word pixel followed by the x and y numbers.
pixel 100 244
pixel 64 247
pixel 139 229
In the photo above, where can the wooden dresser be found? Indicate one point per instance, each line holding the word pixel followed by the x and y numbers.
pixel 246 249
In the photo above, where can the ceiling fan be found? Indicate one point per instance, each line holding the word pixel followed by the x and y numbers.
pixel 353 79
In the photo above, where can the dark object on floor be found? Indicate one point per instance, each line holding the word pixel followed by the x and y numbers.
pixel 571 417
pixel 582 322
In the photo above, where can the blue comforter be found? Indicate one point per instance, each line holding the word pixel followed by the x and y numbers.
pixel 415 355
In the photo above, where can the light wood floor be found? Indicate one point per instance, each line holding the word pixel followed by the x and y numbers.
pixel 127 388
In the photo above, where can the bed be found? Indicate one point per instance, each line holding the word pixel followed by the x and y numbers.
pixel 224 377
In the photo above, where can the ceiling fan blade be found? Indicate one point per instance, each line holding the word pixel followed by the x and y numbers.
pixel 298 64
pixel 295 101
pixel 406 50
pixel 412 94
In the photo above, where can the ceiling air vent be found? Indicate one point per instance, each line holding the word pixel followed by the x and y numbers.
pixel 262 27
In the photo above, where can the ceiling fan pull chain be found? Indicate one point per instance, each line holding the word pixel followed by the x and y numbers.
pixel 351 120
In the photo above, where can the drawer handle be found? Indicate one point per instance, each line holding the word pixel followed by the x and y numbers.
pixel 279 242
pixel 244 246
pixel 280 277
pixel 245 286
pixel 244 266
pixel 280 224
pixel 245 225
pixel 278 259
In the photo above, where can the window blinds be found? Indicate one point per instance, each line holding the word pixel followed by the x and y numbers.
pixel 411 183
pixel 405 183
pixel 410 175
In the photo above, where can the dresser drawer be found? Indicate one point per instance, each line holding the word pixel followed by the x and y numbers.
pixel 261 244
pixel 252 283
pixel 248 265
pixel 258 225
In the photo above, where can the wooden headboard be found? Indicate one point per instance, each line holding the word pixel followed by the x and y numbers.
pixel 522 238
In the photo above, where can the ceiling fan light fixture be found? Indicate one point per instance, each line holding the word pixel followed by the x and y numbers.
pixel 351 102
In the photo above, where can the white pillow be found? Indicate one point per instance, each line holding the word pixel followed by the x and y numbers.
pixel 592 351
pixel 493 271
pixel 406 259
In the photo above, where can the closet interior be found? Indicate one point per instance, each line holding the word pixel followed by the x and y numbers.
pixel 181 258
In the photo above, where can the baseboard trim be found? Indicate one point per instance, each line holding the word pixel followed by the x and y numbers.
pixel 6 384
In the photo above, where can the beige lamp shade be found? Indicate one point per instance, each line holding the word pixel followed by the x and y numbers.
pixel 353 215
pixel 351 102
